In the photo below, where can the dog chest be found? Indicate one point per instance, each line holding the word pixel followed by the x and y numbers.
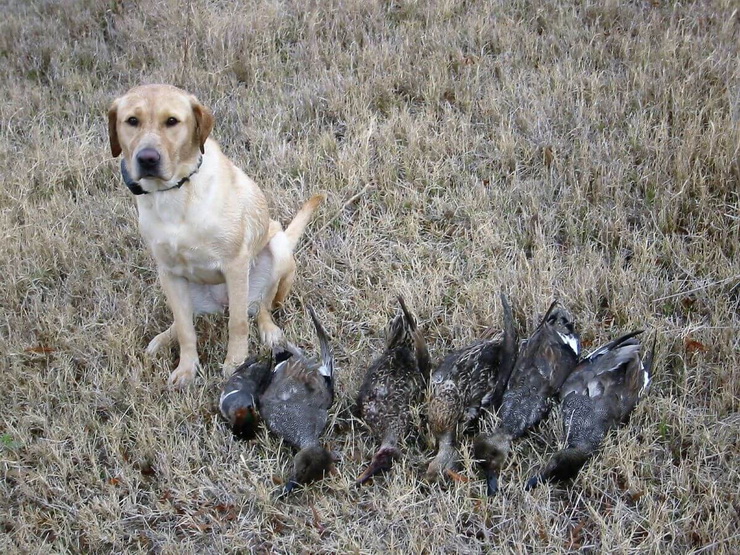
pixel 186 252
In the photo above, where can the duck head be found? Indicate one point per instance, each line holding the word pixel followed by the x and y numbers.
pixel 309 465
pixel 446 457
pixel 491 451
pixel 564 465
pixel 244 422
pixel 382 461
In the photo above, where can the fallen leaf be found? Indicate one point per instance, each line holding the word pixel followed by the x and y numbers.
pixel 317 522
pixel 548 156
pixel 693 346
pixel 40 349
pixel 576 535
pixel 456 476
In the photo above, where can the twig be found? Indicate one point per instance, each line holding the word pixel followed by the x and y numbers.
pixel 695 289
pixel 349 201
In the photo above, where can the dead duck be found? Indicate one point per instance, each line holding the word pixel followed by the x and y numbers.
pixel 466 380
pixel 296 403
pixel 393 382
pixel 599 395
pixel 240 395
pixel 545 361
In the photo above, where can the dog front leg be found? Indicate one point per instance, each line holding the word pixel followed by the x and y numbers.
pixel 177 291
pixel 237 284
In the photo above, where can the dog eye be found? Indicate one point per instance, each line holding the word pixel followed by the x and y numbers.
pixel 132 121
pixel 171 122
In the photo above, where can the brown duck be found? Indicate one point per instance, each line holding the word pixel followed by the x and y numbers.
pixel 544 362
pixel 393 382
pixel 296 403
pixel 466 380
pixel 599 395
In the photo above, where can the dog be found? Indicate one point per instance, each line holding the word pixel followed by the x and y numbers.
pixel 205 222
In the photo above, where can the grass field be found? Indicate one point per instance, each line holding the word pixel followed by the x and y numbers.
pixel 583 151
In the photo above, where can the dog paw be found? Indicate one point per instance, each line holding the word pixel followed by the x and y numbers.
pixel 183 375
pixel 161 341
pixel 271 335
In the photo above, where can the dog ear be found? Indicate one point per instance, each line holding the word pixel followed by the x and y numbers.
pixel 115 146
pixel 203 123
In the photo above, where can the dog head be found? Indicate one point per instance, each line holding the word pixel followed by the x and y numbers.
pixel 161 132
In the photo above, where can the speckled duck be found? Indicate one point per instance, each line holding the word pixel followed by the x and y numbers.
pixel 393 382
pixel 466 380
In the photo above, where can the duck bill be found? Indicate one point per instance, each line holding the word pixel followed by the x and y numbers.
pixel 492 483
pixel 533 482
pixel 287 488
pixel 374 468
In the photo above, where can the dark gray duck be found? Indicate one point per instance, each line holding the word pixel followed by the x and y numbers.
pixel 545 361
pixel 599 395
pixel 296 403
pixel 239 398
pixel 393 383
pixel 467 380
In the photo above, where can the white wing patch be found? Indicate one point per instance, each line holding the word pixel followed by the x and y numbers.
pixel 645 380
pixel 571 341
pixel 325 371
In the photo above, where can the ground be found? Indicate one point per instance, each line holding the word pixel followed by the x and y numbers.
pixel 582 151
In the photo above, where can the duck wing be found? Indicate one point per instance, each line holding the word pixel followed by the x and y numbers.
pixel 546 360
pixel 549 355
pixel 295 405
pixel 604 389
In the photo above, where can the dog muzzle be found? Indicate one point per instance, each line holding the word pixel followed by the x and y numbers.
pixel 136 189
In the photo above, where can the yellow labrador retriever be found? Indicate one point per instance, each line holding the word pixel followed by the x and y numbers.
pixel 204 220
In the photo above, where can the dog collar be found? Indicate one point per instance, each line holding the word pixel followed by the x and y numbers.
pixel 136 189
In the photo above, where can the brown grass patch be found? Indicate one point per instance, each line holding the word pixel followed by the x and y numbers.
pixel 540 148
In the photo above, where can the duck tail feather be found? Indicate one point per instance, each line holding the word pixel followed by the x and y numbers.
pixel 403 329
pixel 507 355
pixel 550 310
pixel 327 354
pixel 646 369
pixel 420 346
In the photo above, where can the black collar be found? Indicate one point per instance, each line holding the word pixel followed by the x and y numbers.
pixel 136 189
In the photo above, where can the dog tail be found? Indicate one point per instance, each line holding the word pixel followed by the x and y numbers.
pixel 299 223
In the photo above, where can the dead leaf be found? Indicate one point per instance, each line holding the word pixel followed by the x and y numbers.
pixel 317 522
pixel 456 476
pixel 40 349
pixel 693 346
pixel 549 156
pixel 576 535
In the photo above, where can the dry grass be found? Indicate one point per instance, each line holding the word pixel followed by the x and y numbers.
pixel 540 148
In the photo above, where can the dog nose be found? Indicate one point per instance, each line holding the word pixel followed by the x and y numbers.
pixel 148 159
